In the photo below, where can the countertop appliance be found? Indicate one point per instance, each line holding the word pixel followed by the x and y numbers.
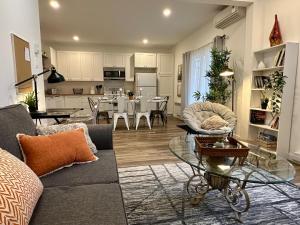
pixel 146 85
pixel 113 73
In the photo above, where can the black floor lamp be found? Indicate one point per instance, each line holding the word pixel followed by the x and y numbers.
pixel 54 77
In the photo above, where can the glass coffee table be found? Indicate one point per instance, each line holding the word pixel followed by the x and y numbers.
pixel 225 175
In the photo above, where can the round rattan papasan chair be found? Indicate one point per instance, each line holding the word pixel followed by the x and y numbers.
pixel 194 115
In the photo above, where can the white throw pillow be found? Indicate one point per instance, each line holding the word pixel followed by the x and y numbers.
pixel 214 123
pixel 53 129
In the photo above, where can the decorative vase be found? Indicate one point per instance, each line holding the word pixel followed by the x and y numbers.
pixel 130 97
pixel 275 36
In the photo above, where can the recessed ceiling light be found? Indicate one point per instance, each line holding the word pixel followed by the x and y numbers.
pixel 75 38
pixel 167 12
pixel 54 4
pixel 145 41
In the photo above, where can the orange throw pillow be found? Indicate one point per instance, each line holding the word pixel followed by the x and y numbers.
pixel 47 154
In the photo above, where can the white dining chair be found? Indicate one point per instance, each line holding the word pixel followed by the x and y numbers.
pixel 121 112
pixel 143 112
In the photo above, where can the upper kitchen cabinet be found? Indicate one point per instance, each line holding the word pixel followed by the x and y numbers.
pixel 145 60
pixel 63 63
pixel 98 66
pixel 113 60
pixel 91 66
pixel 74 66
pixel 80 66
pixel 165 64
pixel 129 70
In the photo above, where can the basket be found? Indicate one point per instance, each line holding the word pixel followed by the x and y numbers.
pixel 78 91
pixel 234 148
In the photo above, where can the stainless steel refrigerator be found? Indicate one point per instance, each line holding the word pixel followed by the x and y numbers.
pixel 146 85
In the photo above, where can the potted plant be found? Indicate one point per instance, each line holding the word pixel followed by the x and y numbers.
pixel 264 101
pixel 30 101
pixel 130 95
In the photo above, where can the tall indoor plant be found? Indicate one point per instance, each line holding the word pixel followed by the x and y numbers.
pixel 218 86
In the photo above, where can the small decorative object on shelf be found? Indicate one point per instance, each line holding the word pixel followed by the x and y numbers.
pixel 264 101
pixel 261 65
pixel 275 36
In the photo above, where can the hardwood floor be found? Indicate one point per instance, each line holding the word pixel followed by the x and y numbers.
pixel 148 147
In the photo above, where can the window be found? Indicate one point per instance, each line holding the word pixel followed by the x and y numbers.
pixel 200 61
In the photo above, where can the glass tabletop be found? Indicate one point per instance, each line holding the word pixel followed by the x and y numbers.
pixel 259 167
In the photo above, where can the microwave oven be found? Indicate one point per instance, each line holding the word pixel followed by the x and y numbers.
pixel 114 73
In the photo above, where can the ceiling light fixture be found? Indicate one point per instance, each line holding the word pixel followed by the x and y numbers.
pixel 167 12
pixel 54 4
pixel 145 41
pixel 75 38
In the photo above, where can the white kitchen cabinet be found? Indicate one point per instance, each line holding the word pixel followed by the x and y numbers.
pixel 53 59
pixel 129 70
pixel 87 63
pixel 63 63
pixel 145 60
pixel 113 60
pixel 97 67
pixel 74 66
pixel 55 102
pixel 165 64
pixel 165 88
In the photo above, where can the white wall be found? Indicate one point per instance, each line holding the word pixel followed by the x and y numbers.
pixel 260 25
pixel 235 42
pixel 20 17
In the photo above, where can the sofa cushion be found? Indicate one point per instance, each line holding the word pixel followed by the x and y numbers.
pixel 104 170
pixel 97 204
pixel 20 190
pixel 47 154
pixel 47 130
pixel 14 119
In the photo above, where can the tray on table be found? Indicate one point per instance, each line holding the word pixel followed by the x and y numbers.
pixel 232 148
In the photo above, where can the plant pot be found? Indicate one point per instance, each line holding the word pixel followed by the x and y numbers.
pixel 32 108
pixel 264 104
pixel 130 97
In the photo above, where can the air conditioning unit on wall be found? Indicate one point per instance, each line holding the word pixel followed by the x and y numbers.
pixel 228 16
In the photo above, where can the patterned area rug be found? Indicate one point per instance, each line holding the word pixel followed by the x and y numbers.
pixel 153 195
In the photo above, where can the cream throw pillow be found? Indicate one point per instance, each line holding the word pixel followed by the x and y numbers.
pixel 214 123
pixel 53 129
pixel 20 189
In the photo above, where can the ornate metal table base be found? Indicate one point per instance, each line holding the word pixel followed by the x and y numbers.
pixel 233 191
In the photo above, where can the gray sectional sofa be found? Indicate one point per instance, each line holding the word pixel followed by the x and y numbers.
pixel 87 194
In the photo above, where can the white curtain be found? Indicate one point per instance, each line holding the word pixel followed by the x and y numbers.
pixel 195 66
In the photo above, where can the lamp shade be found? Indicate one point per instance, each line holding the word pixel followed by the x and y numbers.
pixel 227 72
pixel 55 77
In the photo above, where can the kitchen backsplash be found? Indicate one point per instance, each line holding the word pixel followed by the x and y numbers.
pixel 67 86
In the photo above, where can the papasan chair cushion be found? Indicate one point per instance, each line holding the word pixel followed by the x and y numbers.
pixel 194 115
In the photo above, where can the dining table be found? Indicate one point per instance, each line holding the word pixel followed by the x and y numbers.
pixel 133 103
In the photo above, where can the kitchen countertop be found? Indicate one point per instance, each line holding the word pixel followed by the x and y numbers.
pixel 57 95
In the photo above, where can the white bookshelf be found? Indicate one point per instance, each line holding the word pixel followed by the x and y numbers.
pixel 289 69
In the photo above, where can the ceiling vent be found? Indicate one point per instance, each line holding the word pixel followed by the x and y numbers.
pixel 228 16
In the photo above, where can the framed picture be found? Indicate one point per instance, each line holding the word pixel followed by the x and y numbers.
pixel 179 80
pixel 179 73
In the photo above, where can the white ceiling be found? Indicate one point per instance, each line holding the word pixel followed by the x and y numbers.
pixel 123 22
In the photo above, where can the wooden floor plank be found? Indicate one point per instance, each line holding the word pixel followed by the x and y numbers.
pixel 148 147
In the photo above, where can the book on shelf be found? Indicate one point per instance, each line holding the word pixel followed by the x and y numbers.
pixel 279 58
pixel 257 117
pixel 261 81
